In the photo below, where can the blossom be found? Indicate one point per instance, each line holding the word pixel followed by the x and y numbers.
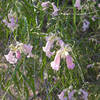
pixel 27 49
pixel 18 54
pixel 56 63
pixel 99 5
pixel 47 48
pixel 71 94
pixel 94 18
pixel 77 4
pixel 90 66
pixel 61 95
pixel 61 43
pixel 11 57
pixel 45 5
pixel 12 23
pixel 85 25
pixel 85 94
pixel 55 12
pixel 69 62
pixel 50 40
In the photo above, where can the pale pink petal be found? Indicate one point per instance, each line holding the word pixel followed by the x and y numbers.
pixel 18 54
pixel 27 49
pixel 77 4
pixel 99 5
pixel 56 63
pixel 69 62
pixel 61 43
pixel 11 58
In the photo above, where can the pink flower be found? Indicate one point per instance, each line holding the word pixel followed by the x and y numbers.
pixel 55 12
pixel 56 63
pixel 99 5
pixel 77 4
pixel 85 94
pixel 61 43
pixel 71 94
pixel 27 49
pixel 45 5
pixel 11 57
pixel 69 62
pixel 47 48
pixel 50 40
pixel 18 54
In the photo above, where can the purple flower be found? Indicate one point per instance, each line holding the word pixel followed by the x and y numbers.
pixel 94 18
pixel 90 66
pixel 12 23
pixel 50 40
pixel 55 12
pixel 71 94
pixel 85 94
pixel 77 4
pixel 85 25
pixel 11 57
pixel 61 43
pixel 56 63
pixel 47 48
pixel 69 62
pixel 45 5
pixel 27 49
pixel 61 95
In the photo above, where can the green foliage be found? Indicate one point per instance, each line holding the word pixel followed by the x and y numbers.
pixel 27 75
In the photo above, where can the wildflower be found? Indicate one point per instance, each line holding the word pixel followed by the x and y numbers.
pixel 61 95
pixel 56 63
pixel 99 5
pixel 90 66
pixel 94 18
pixel 27 49
pixel 45 5
pixel 11 57
pixel 12 23
pixel 49 45
pixel 71 94
pixel 77 4
pixel 18 54
pixel 85 94
pixel 69 62
pixel 61 43
pixel 55 12
pixel 85 25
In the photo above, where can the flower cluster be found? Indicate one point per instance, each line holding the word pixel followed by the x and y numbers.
pixel 15 52
pixel 47 4
pixel 71 92
pixel 63 52
pixel 12 22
